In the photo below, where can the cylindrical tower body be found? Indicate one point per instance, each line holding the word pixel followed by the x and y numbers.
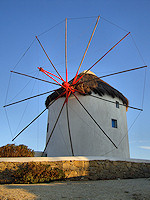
pixel 87 138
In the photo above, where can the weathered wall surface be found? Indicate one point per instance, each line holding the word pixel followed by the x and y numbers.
pixel 88 170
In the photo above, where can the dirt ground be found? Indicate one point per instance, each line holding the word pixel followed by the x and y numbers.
pixel 134 189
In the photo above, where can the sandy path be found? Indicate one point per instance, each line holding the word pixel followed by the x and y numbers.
pixel 134 189
pixel 17 194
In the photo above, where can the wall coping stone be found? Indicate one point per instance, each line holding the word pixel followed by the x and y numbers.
pixel 69 158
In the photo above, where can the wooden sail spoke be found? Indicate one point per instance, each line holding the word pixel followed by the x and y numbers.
pixel 29 124
pixel 124 71
pixel 33 77
pixel 66 50
pixel 49 58
pixel 121 104
pixel 86 49
pixel 54 126
pixel 112 74
pixel 32 121
pixel 68 124
pixel 28 98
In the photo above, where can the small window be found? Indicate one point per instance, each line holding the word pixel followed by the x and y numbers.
pixel 117 104
pixel 114 123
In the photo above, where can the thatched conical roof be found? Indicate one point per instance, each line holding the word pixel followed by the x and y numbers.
pixel 90 83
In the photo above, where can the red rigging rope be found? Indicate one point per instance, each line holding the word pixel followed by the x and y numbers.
pixel 42 70
pixel 47 73
pixel 66 85
pixel 69 88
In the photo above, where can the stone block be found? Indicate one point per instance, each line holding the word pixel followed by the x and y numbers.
pixel 71 174
pixel 78 163
pixel 86 164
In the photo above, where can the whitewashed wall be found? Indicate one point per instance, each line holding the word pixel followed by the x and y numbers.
pixel 87 138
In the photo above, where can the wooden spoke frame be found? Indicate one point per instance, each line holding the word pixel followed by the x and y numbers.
pixel 69 88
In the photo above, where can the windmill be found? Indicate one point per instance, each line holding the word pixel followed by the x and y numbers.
pixel 60 100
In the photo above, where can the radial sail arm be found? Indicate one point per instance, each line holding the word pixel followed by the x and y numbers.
pixel 49 58
pixel 32 121
pixel 69 129
pixel 86 49
pixel 112 74
pixel 28 98
pixel 33 77
pixel 54 126
pixel 115 103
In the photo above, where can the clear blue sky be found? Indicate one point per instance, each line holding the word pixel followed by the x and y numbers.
pixel 21 20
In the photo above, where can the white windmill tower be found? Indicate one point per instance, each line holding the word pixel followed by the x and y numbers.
pixel 97 117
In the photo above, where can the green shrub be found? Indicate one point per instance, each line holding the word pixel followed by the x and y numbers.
pixel 11 150
pixel 36 173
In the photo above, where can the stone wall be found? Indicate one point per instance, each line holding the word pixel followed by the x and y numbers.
pixel 86 170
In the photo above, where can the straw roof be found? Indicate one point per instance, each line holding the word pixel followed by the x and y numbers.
pixel 90 83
